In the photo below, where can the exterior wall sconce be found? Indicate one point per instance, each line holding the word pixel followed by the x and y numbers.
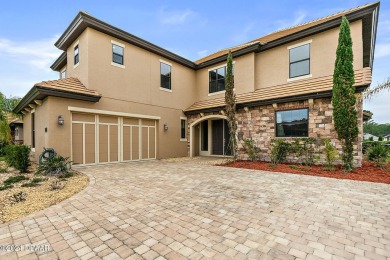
pixel 165 127
pixel 60 120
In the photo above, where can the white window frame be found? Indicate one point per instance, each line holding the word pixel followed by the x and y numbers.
pixel 295 46
pixel 74 45
pixel 124 47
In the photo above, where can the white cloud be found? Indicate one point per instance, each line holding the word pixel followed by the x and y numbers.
pixel 242 36
pixel 202 53
pixel 37 54
pixel 299 17
pixel 175 17
pixel 382 50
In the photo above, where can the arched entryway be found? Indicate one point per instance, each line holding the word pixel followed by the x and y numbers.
pixel 209 136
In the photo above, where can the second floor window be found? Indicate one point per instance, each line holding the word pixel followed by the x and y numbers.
pixel 217 80
pixel 300 61
pixel 117 54
pixel 76 54
pixel 63 74
pixel 165 70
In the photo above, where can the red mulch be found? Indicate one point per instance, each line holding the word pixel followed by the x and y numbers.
pixel 368 172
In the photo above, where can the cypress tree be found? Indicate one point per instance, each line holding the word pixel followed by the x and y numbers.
pixel 230 100
pixel 343 98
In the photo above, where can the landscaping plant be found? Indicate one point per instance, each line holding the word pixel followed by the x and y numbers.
pixel 230 108
pixel 3 167
pixel 343 98
pixel 18 156
pixel 279 151
pixel 58 165
pixel 379 154
pixel 331 154
pixel 57 185
pixel 19 197
pixel 251 149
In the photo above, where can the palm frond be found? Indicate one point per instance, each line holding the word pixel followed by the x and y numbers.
pixel 369 93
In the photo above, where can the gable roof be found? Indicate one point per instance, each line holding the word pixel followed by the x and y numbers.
pixel 292 91
pixel 366 12
pixel 67 88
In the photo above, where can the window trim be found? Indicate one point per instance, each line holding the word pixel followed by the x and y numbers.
pixel 170 77
pixel 289 48
pixel 208 75
pixel 185 119
pixel 112 54
pixel 61 72
pixel 75 65
pixel 290 109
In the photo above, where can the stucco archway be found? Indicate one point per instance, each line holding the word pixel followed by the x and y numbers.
pixel 196 123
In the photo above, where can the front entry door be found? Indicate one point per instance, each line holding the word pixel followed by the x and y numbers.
pixel 220 137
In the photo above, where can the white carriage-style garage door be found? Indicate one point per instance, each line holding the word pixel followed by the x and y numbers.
pixel 98 139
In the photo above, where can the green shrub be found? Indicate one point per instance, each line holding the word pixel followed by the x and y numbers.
pixel 38 180
pixel 378 154
pixel 6 187
pixel 56 166
pixel 279 151
pixel 18 156
pixel 380 138
pixel 293 166
pixel 15 179
pixel 3 167
pixel 66 175
pixel 251 149
pixel 30 184
pixel 331 154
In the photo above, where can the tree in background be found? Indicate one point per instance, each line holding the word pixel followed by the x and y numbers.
pixel 343 99
pixel 7 105
pixel 230 100
pixel 370 127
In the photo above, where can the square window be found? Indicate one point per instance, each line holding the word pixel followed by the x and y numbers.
pixel 217 79
pixel 292 123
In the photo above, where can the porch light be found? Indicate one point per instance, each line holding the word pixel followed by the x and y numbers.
pixel 60 120
pixel 165 127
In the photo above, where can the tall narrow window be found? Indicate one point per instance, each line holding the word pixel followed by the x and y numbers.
pixel 63 74
pixel 117 54
pixel 183 128
pixel 292 123
pixel 165 70
pixel 204 136
pixel 32 130
pixel 76 54
pixel 300 61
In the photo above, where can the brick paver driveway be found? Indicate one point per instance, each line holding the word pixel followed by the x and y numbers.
pixel 186 210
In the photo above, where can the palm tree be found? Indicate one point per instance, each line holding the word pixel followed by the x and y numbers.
pixel 369 93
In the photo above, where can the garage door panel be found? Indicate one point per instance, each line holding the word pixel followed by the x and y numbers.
pixel 108 119
pixel 103 143
pixel 135 143
pixel 77 143
pixel 90 143
pixel 83 117
pixel 113 143
pixel 145 143
pixel 126 143
pixel 152 143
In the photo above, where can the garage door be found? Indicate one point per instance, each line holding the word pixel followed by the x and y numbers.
pixel 98 139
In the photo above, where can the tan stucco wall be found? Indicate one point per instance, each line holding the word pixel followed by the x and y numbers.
pixel 272 66
pixel 81 70
pixel 169 144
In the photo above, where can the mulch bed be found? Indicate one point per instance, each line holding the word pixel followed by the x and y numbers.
pixel 368 172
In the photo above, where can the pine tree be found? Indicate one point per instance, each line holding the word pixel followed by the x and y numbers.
pixel 230 100
pixel 343 99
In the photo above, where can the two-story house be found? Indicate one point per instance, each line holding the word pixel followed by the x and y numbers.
pixel 120 98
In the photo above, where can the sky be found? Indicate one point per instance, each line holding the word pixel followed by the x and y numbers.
pixel 192 29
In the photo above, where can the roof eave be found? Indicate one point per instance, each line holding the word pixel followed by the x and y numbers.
pixel 84 20
pixel 60 62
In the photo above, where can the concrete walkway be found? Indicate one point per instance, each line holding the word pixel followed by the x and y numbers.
pixel 186 210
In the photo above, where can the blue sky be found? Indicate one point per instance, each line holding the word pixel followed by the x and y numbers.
pixel 192 29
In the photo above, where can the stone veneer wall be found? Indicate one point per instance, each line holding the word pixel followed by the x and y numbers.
pixel 258 123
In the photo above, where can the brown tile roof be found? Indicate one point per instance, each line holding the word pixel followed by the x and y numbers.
pixel 284 32
pixel 69 85
pixel 295 88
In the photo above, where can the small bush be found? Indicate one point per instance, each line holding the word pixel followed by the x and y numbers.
pixel 251 149
pixel 279 151
pixel 378 154
pixel 3 167
pixel 293 166
pixel 57 185
pixel 18 156
pixel 56 166
pixel 66 175
pixel 331 154
pixel 15 179
pixel 6 187
pixel 38 180
pixel 19 197
pixel 30 184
